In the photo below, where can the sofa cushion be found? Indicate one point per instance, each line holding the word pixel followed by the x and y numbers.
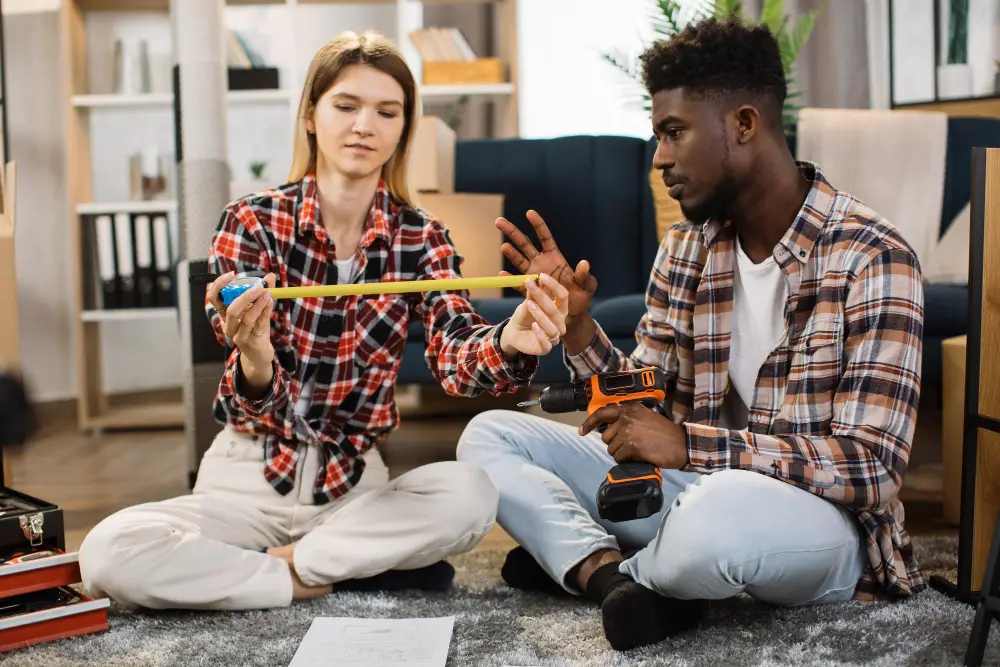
pixel 590 190
pixel 619 315
pixel 494 310
pixel 946 310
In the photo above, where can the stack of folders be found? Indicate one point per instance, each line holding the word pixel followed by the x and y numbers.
pixel 128 261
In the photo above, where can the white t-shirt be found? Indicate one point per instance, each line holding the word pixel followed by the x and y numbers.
pixel 310 462
pixel 758 325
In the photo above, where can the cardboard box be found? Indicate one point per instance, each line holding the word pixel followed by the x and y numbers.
pixel 471 218
pixel 453 72
pixel 432 156
pixel 952 423
pixel 10 355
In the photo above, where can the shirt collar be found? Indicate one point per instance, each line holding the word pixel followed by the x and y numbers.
pixel 800 238
pixel 380 216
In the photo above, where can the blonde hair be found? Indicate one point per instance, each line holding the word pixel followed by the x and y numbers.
pixel 350 48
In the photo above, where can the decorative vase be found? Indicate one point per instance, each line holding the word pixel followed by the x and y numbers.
pixel 954 81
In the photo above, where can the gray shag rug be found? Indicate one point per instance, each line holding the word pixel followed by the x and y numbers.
pixel 495 625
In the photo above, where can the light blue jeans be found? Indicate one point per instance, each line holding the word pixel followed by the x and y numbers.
pixel 717 535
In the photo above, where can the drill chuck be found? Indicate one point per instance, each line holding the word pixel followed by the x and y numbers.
pixel 570 397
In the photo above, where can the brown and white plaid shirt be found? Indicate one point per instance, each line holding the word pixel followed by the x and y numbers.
pixel 835 402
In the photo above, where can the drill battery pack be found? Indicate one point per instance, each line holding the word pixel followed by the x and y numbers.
pixel 631 491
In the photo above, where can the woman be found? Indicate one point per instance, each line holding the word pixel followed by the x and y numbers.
pixel 292 499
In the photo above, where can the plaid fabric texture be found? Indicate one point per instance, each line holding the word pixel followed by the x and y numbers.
pixel 349 347
pixel 835 402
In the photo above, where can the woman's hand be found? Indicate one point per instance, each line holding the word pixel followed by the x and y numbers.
pixel 247 322
pixel 539 321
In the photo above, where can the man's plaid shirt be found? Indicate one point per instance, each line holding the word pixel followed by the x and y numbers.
pixel 350 347
pixel 835 402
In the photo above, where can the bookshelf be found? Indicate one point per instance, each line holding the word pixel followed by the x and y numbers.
pixel 99 122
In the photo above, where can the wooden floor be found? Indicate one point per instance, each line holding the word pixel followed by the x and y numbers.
pixel 92 476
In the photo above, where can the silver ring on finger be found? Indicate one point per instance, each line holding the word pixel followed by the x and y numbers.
pixel 258 333
pixel 554 339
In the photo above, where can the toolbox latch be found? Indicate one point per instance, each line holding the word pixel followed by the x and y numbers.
pixel 31 526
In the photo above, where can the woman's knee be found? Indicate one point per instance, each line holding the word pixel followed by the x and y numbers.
pixel 474 499
pixel 110 556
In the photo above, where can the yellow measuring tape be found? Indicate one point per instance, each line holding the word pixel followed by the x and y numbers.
pixel 237 287
pixel 400 287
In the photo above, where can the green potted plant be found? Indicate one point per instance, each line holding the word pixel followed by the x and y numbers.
pixel 258 181
pixel 257 169
pixel 668 19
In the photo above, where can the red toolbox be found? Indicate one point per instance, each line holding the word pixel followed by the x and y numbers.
pixel 41 599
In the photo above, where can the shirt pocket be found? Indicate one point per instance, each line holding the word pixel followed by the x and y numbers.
pixel 814 373
pixel 380 326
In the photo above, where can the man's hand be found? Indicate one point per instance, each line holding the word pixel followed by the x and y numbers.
pixel 580 284
pixel 636 433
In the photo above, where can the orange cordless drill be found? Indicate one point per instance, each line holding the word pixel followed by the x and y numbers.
pixel 632 490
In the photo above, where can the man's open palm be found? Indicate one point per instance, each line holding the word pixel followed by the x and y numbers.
pixel 527 259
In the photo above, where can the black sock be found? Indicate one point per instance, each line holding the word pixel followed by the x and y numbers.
pixel 436 577
pixel 521 571
pixel 603 581
pixel 633 616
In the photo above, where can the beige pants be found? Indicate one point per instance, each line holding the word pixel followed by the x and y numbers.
pixel 202 551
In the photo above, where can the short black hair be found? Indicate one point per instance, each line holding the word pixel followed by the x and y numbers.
pixel 714 56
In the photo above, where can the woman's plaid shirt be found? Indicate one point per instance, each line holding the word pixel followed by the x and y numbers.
pixel 836 401
pixel 349 347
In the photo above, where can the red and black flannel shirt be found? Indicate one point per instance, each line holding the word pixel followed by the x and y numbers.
pixel 835 403
pixel 351 346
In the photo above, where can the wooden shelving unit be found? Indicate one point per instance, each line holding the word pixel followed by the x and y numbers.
pixel 96 409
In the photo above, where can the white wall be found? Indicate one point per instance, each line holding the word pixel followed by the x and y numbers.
pixel 565 86
pixel 35 126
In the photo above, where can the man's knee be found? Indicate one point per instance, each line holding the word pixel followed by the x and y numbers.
pixel 484 436
pixel 703 548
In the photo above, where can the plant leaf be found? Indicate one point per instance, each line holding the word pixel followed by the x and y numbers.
pixel 667 16
pixel 728 8
pixel 772 15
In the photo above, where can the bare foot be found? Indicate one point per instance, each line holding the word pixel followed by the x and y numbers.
pixel 284 553
pixel 302 592
pixel 299 590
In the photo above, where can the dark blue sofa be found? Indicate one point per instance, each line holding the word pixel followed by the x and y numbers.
pixel 593 192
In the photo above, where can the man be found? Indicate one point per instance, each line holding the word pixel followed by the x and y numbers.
pixel 788 318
